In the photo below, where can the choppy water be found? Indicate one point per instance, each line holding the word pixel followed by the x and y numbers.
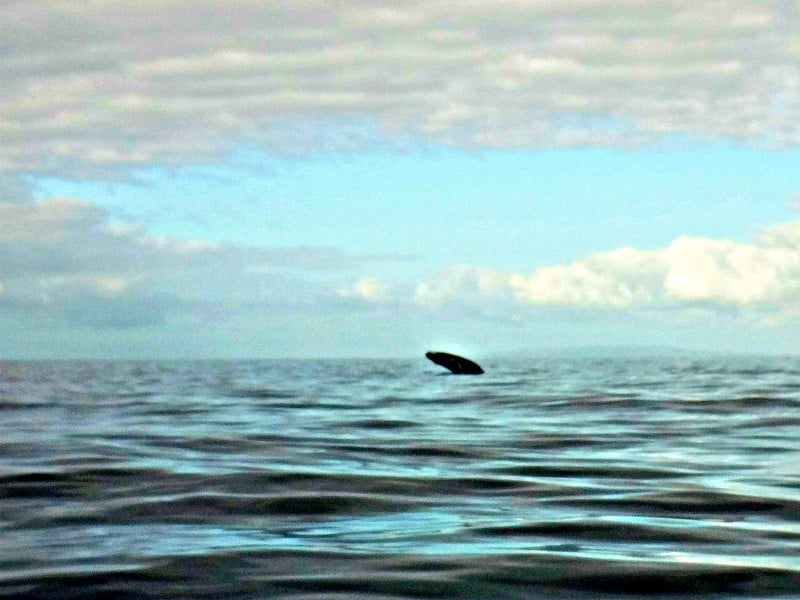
pixel 388 479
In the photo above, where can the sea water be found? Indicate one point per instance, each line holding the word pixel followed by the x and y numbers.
pixel 558 477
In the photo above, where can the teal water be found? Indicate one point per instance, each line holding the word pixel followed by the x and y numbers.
pixel 674 477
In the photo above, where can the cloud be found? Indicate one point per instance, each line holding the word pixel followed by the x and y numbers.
pixel 464 284
pixel 762 278
pixel 794 201
pixel 367 289
pixel 97 85
pixel 14 189
pixel 63 259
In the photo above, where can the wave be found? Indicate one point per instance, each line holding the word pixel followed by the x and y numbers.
pixel 329 575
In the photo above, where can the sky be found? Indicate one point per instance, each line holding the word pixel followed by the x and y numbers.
pixel 262 179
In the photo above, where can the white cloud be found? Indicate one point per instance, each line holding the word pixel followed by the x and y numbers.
pixel 96 85
pixel 725 272
pixel 462 284
pixel 98 284
pixel 763 277
pixel 368 289
pixel 619 279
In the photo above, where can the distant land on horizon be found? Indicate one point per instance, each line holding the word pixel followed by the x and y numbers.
pixel 621 351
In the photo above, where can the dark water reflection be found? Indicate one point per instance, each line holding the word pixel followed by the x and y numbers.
pixel 384 479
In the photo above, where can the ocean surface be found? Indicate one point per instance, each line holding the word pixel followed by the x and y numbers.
pixel 544 478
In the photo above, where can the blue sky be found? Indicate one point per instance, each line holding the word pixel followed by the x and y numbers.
pixel 386 178
pixel 498 209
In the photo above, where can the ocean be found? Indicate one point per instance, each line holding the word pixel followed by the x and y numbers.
pixel 673 477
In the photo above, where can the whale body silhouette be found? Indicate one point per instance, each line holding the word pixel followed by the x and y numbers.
pixel 454 363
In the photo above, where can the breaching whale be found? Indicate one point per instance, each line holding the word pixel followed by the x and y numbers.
pixel 456 364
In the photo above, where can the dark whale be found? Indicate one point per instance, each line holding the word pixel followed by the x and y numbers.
pixel 456 364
